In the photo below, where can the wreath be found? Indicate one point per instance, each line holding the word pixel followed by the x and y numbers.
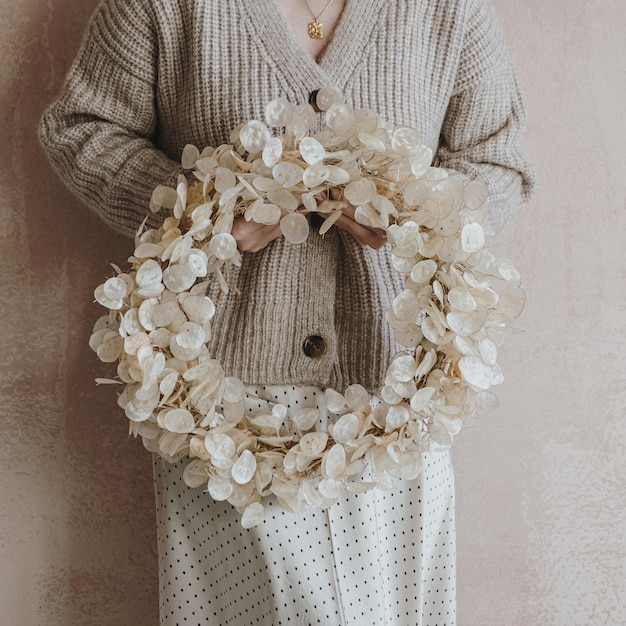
pixel 449 317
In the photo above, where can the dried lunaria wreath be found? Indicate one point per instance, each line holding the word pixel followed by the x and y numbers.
pixel 449 316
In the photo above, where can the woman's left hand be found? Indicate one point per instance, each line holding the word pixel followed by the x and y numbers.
pixel 364 235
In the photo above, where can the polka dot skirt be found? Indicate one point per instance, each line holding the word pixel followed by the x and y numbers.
pixel 374 559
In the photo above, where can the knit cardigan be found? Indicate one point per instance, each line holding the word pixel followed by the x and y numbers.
pixel 154 75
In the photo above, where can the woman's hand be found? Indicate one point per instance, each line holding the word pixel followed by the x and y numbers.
pixel 252 237
pixel 364 235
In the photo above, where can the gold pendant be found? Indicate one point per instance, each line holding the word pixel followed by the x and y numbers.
pixel 316 30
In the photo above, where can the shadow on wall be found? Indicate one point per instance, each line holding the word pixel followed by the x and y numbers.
pixel 78 539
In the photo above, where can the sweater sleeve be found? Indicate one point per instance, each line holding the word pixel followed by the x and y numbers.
pixel 99 134
pixel 485 118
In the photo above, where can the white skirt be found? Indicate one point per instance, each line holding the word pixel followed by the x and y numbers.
pixel 379 558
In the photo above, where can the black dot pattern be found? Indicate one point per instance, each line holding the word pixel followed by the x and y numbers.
pixel 379 558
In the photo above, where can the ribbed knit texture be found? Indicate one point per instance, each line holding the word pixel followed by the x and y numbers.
pixel 154 75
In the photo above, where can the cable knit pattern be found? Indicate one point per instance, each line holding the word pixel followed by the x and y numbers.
pixel 154 75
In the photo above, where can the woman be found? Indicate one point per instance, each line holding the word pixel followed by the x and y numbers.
pixel 154 75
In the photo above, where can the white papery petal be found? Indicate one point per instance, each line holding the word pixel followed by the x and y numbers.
pixel 440 435
pixel 165 313
pixel 254 136
pixel 356 396
pixel 334 462
pixel 167 385
pixel 268 214
pixel 346 428
pixel 461 299
pixel 178 278
pixel 130 323
pixel 464 324
pixel 340 119
pixel 305 419
pixel 398 170
pixel 234 389
pixel 220 488
pixel 315 175
pixel 278 112
pixel 220 446
pixel 312 150
pixel 283 198
pixel 328 223
pixel 313 444
pixel 195 474
pixel 189 157
pixel 327 97
pixel 337 175
pixel 191 335
pixel 476 373
pixel 287 174
pixel 421 161
pixel 472 238
pixel 234 411
pixel 508 271
pixel 102 299
pixel 198 309
pixel 484 402
pixel 264 184
pixel 475 194
pixel 137 414
pixel 244 468
pixel 306 114
pixel 366 119
pixel 183 353
pixel 164 197
pixel 448 225
pixel 397 416
pixel 511 302
pixel 115 288
pixel 488 351
pixel 422 398
pixel 179 421
pixel 225 179
pixel 406 141
pixel 172 444
pixel 197 262
pixel 360 191
pixel 134 342
pixel 329 488
pixel 310 493
pixel 334 400
pixel 372 142
pixel 111 350
pixel 404 266
pixel 423 271
pixel 279 411
pixel 253 515
pixel 401 369
pixel 272 152
pixel 223 246
pixel 294 227
pixel 465 346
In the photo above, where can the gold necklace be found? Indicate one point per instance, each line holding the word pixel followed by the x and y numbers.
pixel 316 28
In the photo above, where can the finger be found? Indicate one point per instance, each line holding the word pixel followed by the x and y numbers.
pixel 251 236
pixel 365 236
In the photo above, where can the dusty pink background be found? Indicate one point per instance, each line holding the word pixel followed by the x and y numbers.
pixel 541 488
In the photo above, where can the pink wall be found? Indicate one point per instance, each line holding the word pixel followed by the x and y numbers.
pixel 540 484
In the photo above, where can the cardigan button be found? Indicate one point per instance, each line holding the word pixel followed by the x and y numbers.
pixel 314 346
pixel 313 101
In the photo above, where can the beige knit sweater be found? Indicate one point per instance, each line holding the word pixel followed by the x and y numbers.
pixel 154 75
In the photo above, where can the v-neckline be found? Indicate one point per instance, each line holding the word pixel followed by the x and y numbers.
pixel 338 59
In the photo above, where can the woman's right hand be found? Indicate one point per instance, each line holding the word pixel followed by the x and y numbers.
pixel 252 237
